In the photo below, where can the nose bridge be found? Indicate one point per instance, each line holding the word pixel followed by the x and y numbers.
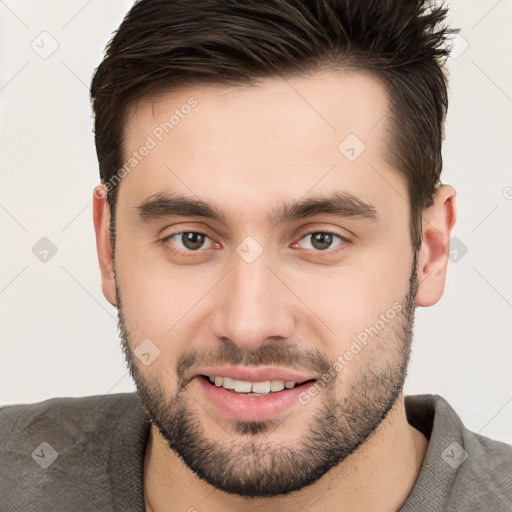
pixel 253 306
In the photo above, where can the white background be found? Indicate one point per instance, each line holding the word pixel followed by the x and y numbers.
pixel 58 333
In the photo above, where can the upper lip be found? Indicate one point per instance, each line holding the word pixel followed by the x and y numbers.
pixel 258 374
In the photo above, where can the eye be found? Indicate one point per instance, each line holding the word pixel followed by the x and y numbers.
pixel 189 241
pixel 322 240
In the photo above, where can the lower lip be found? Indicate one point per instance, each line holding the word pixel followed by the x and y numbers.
pixel 252 408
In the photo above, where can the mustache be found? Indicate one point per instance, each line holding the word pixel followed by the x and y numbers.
pixel 281 353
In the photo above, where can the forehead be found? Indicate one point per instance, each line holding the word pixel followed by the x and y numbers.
pixel 279 137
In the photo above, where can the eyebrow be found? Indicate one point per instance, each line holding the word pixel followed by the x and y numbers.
pixel 339 204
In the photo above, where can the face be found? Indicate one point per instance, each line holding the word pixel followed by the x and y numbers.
pixel 259 241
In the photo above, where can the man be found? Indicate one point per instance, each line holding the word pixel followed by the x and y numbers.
pixel 269 217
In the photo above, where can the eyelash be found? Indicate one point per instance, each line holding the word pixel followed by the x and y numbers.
pixel 199 252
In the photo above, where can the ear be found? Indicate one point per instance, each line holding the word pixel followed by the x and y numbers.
pixel 438 222
pixel 101 216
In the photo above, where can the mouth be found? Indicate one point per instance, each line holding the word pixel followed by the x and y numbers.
pixel 250 388
pixel 253 400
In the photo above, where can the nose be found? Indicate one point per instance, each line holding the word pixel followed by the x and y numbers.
pixel 253 305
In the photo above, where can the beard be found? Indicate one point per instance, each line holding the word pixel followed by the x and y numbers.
pixel 251 465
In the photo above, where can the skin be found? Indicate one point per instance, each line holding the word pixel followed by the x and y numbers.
pixel 248 150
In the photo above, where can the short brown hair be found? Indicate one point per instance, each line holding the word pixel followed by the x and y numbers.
pixel 168 44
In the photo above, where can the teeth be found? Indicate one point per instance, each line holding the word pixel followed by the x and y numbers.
pixel 260 388
pixel 242 386
pixel 228 383
pixel 277 385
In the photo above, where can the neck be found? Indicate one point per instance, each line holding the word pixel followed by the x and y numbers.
pixel 378 476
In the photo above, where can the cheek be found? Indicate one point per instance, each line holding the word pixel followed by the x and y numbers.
pixel 154 297
pixel 163 303
pixel 158 308
pixel 353 296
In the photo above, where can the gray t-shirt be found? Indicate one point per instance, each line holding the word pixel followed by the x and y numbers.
pixel 87 454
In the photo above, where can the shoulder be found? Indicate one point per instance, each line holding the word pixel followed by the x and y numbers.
pixel 68 406
pixel 58 415
pixel 485 471
pixel 60 449
pixel 462 470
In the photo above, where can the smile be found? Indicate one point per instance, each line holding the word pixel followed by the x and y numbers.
pixel 252 388
pixel 251 401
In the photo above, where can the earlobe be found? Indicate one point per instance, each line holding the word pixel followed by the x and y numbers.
pixel 101 217
pixel 438 222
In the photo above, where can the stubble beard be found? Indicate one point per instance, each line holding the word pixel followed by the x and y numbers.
pixel 247 463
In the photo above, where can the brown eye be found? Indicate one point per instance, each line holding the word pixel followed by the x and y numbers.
pixel 192 241
pixel 188 240
pixel 322 240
